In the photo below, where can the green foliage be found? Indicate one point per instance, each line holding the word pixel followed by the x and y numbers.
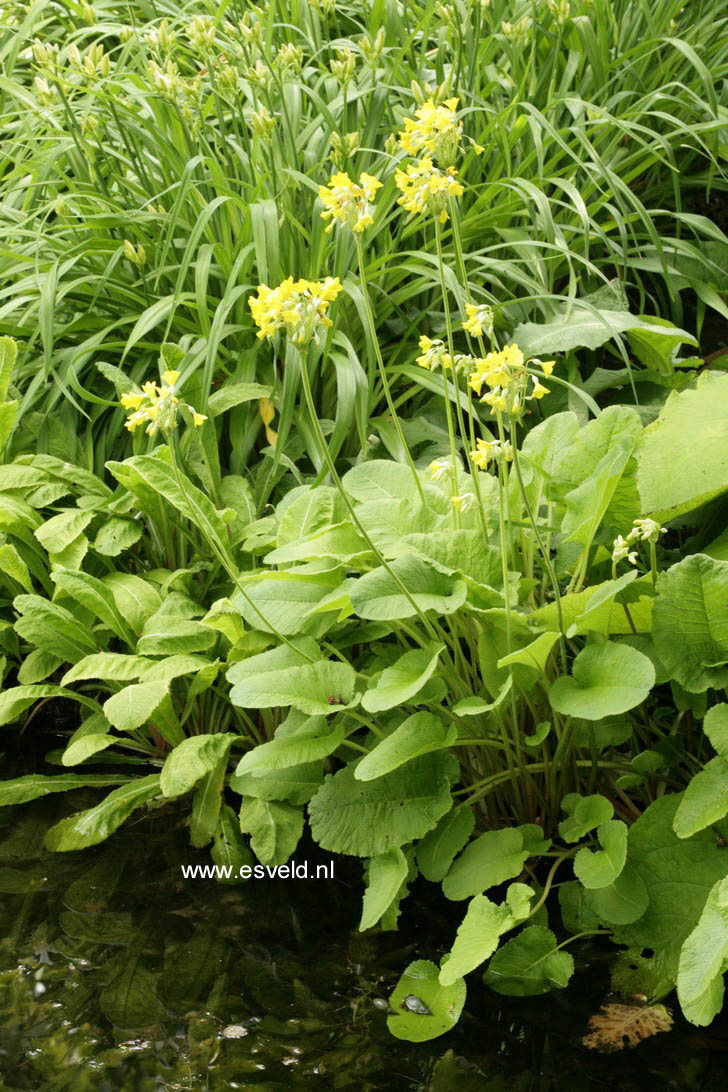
pixel 395 588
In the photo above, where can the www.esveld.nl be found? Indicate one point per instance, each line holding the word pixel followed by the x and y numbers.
pixel 289 871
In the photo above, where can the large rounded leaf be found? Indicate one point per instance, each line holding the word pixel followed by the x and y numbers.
pixel 379 596
pixel 529 964
pixel 607 679
pixel 422 1007
pixel 366 818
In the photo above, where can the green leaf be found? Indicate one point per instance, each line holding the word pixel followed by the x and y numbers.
pixel 274 828
pixel 12 565
pixel 296 784
pixel 60 531
pixel 690 622
pixel 529 964
pixel 656 343
pixel 477 938
pixel 117 535
pixel 577 327
pixel 234 394
pixel 93 594
pixel 33 786
pixel 584 814
pixel 534 655
pixel 378 595
pixel 15 700
pixel 313 738
pixel 445 1003
pixel 191 760
pixel 705 801
pixel 88 828
pixel 403 680
pixel 130 1000
pixel 380 480
pixel 621 902
pixel 703 960
pixel 367 818
pixel 677 873
pixel 317 689
pixel 494 857
pixel 606 679
pixel 52 628
pixel 174 487
pixel 715 726
pixel 134 705
pixel 8 357
pixel 177 636
pixel 438 849
pixel 417 735
pixel 600 868
pixel 206 804
pixel 385 875
pixel 136 599
pixel 341 542
pixel 286 600
pixel 80 749
pixel 704 475
pixel 229 848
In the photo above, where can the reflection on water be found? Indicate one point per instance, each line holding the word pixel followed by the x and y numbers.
pixel 115 973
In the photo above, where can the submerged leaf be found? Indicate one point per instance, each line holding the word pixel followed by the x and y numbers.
pixel 617 1026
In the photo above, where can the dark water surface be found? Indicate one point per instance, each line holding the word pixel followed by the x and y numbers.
pixel 117 973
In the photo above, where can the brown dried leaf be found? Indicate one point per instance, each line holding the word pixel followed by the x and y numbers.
pixel 617 1026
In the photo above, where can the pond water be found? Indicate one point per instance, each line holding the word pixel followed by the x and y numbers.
pixel 117 973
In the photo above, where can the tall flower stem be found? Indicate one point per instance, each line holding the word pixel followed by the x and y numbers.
pixel 308 394
pixel 541 545
pixel 380 364
pixel 458 407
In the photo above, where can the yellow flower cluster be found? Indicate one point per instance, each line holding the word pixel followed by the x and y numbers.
pixel 433 354
pixel 434 130
pixel 479 320
pixel 425 188
pixel 509 384
pixel 298 307
pixel 349 202
pixel 157 406
pixel 491 450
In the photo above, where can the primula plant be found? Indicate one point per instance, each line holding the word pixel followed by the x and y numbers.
pixel 403 552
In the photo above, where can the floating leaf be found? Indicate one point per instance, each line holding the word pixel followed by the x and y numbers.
pixel 420 982
pixel 617 1026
